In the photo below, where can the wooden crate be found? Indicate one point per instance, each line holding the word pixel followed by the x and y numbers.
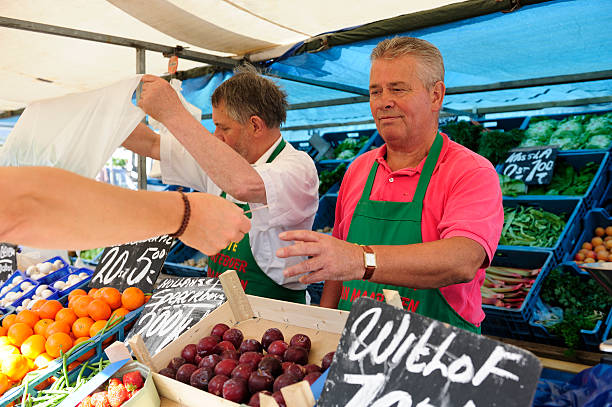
pixel 324 327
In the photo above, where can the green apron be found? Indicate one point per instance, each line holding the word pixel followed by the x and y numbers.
pixel 239 257
pixel 398 223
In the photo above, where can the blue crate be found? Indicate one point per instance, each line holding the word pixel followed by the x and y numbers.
pixel 326 213
pixel 54 296
pixel 606 199
pixel 10 280
pixel 59 273
pixel 178 254
pixel 506 123
pixel 579 159
pixel 305 146
pixel 572 207
pixel 121 331
pixel 514 322
pixel 593 218
pixel 81 284
pixel 590 338
pixel 28 294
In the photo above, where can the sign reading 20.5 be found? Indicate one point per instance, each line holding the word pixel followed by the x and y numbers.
pixel 136 264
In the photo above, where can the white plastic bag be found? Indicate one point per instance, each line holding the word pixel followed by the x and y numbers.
pixel 77 132
pixel 194 111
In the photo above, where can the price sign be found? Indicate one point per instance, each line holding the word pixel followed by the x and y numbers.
pixel 8 260
pixel 532 165
pixel 388 357
pixel 132 264
pixel 176 305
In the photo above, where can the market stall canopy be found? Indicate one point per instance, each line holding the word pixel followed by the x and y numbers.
pixel 38 66
pixel 500 55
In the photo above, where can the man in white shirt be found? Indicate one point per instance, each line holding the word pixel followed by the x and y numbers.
pixel 246 161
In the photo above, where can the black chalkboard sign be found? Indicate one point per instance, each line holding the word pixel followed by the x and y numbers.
pixel 134 264
pixel 8 260
pixel 176 305
pixel 532 165
pixel 391 357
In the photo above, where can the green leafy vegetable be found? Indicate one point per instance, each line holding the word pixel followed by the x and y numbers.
pixel 584 302
pixel 567 181
pixel 349 147
pixel 463 132
pixel 511 186
pixel 569 133
pixel 530 226
pixel 494 145
pixel 327 179
pixel 539 133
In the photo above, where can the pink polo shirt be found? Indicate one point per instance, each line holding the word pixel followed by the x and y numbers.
pixel 463 199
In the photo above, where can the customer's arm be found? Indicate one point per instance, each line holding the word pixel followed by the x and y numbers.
pixel 52 208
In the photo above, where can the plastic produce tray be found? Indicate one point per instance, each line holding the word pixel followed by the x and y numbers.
pixel 593 218
pixel 10 280
pixel 579 159
pixel 120 330
pixel 335 138
pixel 574 210
pixel 514 322
pixel 19 300
pixel 178 254
pixel 57 274
pixel 326 213
pixel 81 284
pixel 591 338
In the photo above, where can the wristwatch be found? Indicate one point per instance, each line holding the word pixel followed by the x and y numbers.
pixel 369 261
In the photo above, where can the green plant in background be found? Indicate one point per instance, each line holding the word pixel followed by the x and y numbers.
pixel 463 132
pixel 119 162
pixel 567 181
pixel 511 186
pixel 349 147
pixel 584 302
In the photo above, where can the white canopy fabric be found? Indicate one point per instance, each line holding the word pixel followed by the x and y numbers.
pixel 38 66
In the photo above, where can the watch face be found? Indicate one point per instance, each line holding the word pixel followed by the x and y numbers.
pixel 370 259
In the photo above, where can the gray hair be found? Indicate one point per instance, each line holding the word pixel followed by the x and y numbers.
pixel 430 59
pixel 248 93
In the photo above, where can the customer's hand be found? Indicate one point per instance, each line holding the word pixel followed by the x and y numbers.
pixel 158 99
pixel 215 223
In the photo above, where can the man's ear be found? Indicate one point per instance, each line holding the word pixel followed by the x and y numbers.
pixel 437 95
pixel 257 124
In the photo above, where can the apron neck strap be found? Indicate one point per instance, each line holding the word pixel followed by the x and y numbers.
pixel 274 154
pixel 428 169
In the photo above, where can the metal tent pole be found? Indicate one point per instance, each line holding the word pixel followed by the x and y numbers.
pixel 142 160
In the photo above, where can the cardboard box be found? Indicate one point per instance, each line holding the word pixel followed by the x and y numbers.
pixel 324 327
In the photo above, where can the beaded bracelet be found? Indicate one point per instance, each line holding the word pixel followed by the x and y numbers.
pixel 186 216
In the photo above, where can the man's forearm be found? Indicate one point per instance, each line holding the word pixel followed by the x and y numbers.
pixel 429 265
pixel 228 169
pixel 143 141
pixel 79 213
pixel 331 294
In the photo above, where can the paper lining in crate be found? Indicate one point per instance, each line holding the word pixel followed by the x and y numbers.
pixel 323 325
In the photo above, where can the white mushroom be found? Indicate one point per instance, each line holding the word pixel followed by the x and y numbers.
pixel 58 264
pixel 46 293
pixel 17 280
pixel 83 275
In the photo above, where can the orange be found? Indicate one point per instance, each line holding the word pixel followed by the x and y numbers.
pixel 57 326
pixel 41 326
pixel 8 321
pixel 3 331
pixel 4 383
pixel 67 315
pixel 36 305
pixel 57 342
pixel 132 298
pixel 8 350
pixel 111 296
pixel 27 317
pixel 81 326
pixel 33 346
pixel 147 298
pixel 87 355
pixel 42 360
pixel 79 305
pixel 15 367
pixel 98 310
pixel 49 309
pixel 19 332
pixel 92 292
pixel 97 295
pixel 96 327
pixel 75 293
pixel 4 340
pixel 118 313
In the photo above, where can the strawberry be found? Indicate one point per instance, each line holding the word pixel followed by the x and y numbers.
pixel 113 382
pixel 117 394
pixel 100 399
pixel 133 381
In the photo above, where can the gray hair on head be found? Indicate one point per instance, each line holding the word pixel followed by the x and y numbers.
pixel 248 93
pixel 431 64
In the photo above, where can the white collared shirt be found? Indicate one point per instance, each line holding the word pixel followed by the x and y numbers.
pixel 291 183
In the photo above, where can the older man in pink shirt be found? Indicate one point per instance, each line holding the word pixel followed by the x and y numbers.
pixel 421 214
